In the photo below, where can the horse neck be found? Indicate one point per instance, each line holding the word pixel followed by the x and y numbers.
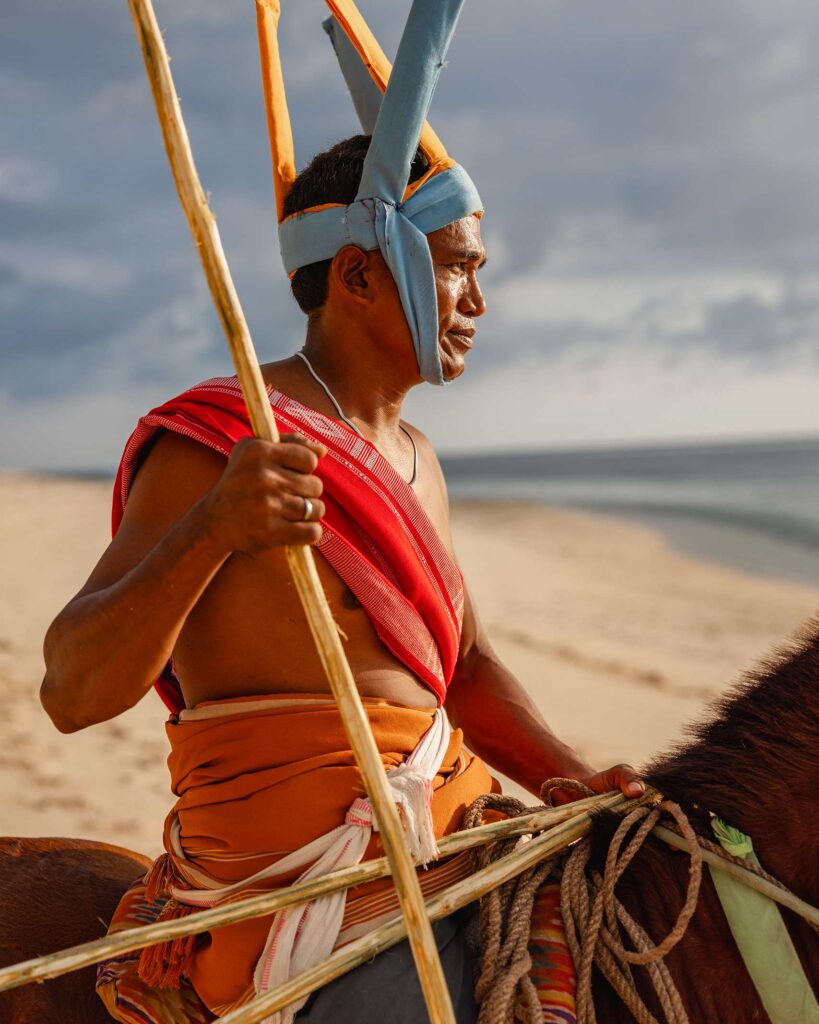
pixel 779 814
pixel 706 966
pixel 754 764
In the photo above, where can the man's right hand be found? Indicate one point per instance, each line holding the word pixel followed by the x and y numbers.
pixel 259 501
pixel 186 513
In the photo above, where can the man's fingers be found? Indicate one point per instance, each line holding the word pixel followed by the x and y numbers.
pixel 294 508
pixel 622 776
pixel 302 533
pixel 304 484
pixel 317 446
pixel 268 495
pixel 626 779
pixel 297 441
pixel 298 457
pixel 292 452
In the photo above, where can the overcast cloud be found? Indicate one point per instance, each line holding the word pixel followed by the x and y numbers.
pixel 651 179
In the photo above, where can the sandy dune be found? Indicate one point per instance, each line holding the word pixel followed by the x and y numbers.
pixel 620 638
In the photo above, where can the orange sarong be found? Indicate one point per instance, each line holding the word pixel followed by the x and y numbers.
pixel 257 778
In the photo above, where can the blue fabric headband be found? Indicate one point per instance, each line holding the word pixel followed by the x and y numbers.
pixel 380 218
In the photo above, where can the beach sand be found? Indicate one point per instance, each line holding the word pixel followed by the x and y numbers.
pixel 619 638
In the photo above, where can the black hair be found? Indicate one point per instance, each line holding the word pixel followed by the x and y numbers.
pixel 331 177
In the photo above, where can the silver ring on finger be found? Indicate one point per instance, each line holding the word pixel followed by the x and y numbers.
pixel 307 515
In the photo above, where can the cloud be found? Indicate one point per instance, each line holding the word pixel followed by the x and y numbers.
pixel 25 180
pixel 649 174
pixel 85 430
pixel 534 402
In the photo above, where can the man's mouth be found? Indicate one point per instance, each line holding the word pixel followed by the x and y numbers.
pixel 462 337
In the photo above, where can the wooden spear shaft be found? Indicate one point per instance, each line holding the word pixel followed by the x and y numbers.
pixel 302 565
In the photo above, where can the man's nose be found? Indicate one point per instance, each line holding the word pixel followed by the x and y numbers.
pixel 473 302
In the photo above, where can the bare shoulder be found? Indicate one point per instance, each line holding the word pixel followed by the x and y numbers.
pixel 175 474
pixel 176 471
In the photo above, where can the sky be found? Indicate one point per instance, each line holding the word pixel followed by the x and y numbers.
pixel 650 174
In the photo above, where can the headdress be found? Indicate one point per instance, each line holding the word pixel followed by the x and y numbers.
pixel 392 104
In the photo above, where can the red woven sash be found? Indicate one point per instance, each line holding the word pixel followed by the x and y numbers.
pixel 377 537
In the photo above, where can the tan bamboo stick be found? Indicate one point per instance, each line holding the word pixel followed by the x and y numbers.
pixel 302 565
pixel 52 965
pixel 451 899
pixel 784 897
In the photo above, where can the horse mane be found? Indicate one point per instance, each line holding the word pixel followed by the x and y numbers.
pixel 762 736
pixel 753 761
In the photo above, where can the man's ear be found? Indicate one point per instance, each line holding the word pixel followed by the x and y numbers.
pixel 351 273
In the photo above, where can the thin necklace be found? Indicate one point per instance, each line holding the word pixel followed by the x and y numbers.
pixel 350 423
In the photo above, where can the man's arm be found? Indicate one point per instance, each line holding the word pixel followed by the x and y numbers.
pixel 189 509
pixel 503 726
pixel 500 721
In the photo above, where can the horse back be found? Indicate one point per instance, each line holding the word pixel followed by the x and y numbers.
pixel 56 893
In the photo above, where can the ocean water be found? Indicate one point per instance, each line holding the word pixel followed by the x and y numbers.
pixel 752 505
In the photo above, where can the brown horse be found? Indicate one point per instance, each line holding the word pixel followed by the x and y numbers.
pixel 56 893
pixel 755 764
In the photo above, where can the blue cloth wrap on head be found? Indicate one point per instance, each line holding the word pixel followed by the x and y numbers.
pixel 378 219
pixel 365 94
pixel 399 231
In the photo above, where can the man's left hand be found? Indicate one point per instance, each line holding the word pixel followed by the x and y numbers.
pixel 621 776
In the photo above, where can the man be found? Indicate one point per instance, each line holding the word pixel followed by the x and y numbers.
pixel 196 574
pixel 381 236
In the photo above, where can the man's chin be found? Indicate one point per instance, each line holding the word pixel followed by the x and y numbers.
pixel 452 367
pixel 453 362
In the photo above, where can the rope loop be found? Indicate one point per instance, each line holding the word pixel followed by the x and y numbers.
pixel 503 987
pixel 594 918
pixel 614 869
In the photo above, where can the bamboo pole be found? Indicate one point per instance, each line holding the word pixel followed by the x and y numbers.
pixel 52 965
pixel 302 565
pixel 784 897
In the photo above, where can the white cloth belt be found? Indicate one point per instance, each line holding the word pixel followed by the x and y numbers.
pixel 302 936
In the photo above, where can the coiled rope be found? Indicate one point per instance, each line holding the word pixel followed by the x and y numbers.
pixel 503 989
pixel 592 915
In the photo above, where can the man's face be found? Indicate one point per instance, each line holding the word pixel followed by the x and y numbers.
pixel 457 256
